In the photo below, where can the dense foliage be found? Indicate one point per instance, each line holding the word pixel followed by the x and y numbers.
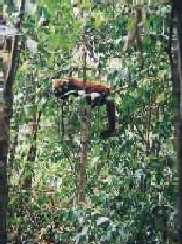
pixel 131 178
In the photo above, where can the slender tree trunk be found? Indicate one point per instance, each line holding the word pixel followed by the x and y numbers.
pixel 22 7
pixel 5 114
pixel 84 112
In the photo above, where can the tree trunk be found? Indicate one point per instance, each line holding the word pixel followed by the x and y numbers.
pixel 5 114
pixel 84 112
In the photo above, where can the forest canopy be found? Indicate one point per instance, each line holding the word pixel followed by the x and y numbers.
pixel 92 94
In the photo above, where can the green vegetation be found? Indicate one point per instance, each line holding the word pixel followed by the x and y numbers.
pixel 131 178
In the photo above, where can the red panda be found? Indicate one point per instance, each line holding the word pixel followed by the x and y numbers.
pixel 96 95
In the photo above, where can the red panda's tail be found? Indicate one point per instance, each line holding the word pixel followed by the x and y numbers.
pixel 111 115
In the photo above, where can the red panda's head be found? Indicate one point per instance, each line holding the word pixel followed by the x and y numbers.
pixel 59 83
